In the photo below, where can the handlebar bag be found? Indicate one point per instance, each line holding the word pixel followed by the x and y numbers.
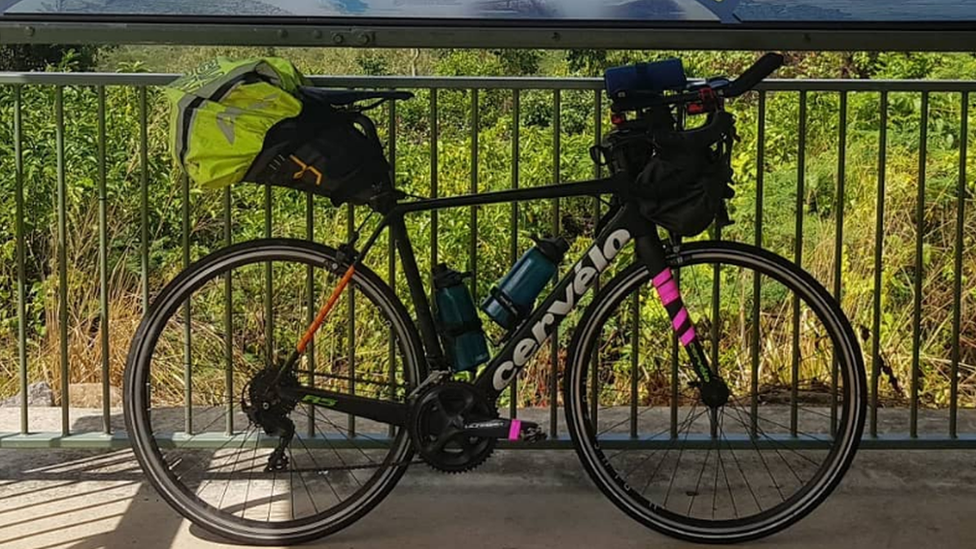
pixel 684 186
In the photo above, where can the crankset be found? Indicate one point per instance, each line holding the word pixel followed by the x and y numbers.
pixel 455 428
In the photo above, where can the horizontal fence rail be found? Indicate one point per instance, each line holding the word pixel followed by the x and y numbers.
pixel 480 82
pixel 871 175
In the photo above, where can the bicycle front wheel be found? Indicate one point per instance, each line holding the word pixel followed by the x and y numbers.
pixel 729 473
pixel 211 342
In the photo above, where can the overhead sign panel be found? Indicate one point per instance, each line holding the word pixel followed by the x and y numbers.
pixel 806 24
pixel 724 11
pixel 645 10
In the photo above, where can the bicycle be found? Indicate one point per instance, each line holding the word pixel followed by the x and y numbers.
pixel 284 479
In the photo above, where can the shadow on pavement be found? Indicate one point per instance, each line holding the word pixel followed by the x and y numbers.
pixel 79 499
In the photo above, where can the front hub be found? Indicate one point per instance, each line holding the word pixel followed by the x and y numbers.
pixel 715 393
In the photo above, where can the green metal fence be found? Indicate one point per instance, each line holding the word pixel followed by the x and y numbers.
pixel 939 419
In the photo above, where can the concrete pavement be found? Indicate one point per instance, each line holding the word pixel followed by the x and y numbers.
pixel 519 500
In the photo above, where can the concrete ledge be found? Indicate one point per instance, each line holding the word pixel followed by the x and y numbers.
pixel 119 439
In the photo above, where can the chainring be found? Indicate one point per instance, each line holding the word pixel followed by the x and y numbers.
pixel 439 414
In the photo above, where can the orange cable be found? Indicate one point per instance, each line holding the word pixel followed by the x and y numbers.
pixel 324 311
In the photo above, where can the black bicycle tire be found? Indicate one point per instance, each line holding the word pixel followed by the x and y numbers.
pixel 169 299
pixel 635 276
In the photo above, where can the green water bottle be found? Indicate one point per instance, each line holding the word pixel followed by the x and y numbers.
pixel 458 321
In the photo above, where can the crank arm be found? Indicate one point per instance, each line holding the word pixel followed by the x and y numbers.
pixel 502 428
pixel 383 411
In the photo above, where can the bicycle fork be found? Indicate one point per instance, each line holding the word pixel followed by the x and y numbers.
pixel 714 391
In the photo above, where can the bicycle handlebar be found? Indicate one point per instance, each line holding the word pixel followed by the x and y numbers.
pixel 765 66
pixel 762 68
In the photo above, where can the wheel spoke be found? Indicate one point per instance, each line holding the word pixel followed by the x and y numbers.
pixel 745 479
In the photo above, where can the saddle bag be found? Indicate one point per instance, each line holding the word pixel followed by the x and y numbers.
pixel 256 121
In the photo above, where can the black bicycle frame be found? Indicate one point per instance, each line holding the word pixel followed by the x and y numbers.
pixel 621 225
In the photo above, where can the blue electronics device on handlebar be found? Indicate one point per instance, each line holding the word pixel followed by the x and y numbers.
pixel 643 85
pixel 645 77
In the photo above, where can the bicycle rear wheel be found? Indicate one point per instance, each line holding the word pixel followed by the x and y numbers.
pixel 767 457
pixel 201 349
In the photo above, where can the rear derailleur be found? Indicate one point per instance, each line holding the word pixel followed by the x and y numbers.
pixel 266 408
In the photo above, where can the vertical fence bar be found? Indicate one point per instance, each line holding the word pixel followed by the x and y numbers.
pixel 715 331
pixel 957 267
pixel 229 320
pixel 878 248
pixel 757 277
pixel 801 156
pixel 62 258
pixel 634 363
pixel 675 389
pixel 351 323
pixel 513 236
pixel 840 202
pixel 21 259
pixel 554 342
pixel 716 321
pixel 103 266
pixel 434 137
pixel 144 197
pixel 268 283
pixel 391 251
pixel 597 172
pixel 310 309
pixel 144 208
pixel 187 332
pixel 716 324
pixel 473 243
pixel 917 286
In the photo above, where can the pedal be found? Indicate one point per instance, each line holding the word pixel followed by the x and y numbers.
pixel 530 432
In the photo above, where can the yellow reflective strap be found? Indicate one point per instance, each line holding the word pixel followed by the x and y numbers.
pixel 306 168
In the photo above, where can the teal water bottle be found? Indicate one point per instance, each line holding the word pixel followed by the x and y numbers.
pixel 458 321
pixel 514 296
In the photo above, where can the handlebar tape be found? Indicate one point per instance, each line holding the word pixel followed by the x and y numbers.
pixel 765 66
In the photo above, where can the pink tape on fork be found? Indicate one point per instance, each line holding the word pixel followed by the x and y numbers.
pixel 661 277
pixel 668 292
pixel 514 429
pixel 680 318
pixel 687 337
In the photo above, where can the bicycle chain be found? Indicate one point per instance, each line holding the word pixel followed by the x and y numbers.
pixel 353 467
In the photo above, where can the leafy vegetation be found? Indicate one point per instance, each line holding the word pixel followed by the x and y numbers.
pixel 817 197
